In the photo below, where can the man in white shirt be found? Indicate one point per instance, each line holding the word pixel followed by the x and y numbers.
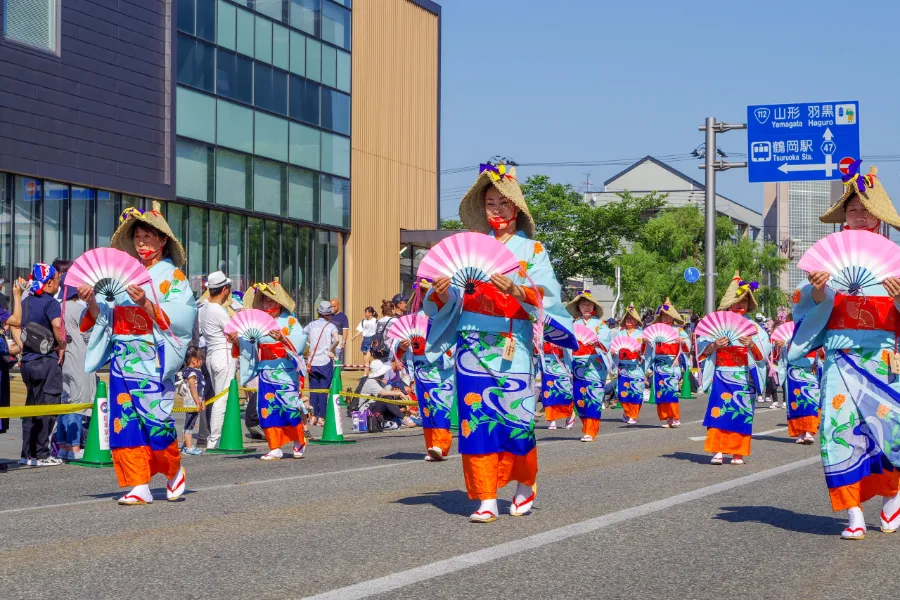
pixel 213 318
pixel 322 339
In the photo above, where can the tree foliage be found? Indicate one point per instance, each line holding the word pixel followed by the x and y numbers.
pixel 582 239
pixel 452 223
pixel 672 241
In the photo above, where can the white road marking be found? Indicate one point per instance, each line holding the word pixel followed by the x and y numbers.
pixel 478 558
pixel 757 434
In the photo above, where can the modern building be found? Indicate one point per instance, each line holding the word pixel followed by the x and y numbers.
pixel 652 175
pixel 289 138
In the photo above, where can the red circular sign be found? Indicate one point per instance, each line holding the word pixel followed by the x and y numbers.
pixel 845 164
pixel 30 188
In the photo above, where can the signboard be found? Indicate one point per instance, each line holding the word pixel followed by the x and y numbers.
pixel 801 142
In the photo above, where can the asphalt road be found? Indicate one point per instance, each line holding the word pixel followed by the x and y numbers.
pixel 638 514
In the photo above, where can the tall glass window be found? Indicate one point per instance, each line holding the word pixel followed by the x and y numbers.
pixel 329 66
pixel 176 215
pixel 281 47
pixel 321 268
pixel 81 221
pixel 197 248
pixel 237 225
pixel 33 23
pixel 302 186
pixel 289 259
pixel 196 63
pixel 254 251
pixel 271 89
pixel 263 40
pixel 271 137
pixel 235 77
pixel 193 170
pixel 333 264
pixel 335 111
pixel 27 236
pixel 245 32
pixel 56 196
pixel 336 154
pixel 268 186
pixel 305 146
pixel 313 59
pixel 298 54
pixel 336 25
pixel 304 100
pixel 305 15
pixel 335 202
pixel 195 115
pixel 186 16
pixel 304 273
pixel 227 28
pixel 234 126
pixel 107 216
pixel 270 8
pixel 218 240
pixel 233 182
pixel 206 20
pixel 273 249
pixel 343 71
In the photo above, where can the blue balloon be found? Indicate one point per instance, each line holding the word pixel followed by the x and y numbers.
pixel 692 275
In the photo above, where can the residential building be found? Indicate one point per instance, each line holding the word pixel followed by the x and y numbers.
pixel 257 124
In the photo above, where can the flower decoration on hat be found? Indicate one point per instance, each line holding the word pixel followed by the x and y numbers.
pixel 746 286
pixel 498 169
pixel 862 181
pixel 262 287
pixel 131 211
pixel 662 309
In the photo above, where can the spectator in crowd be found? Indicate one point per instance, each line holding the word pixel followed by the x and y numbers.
pixel 4 299
pixel 400 304
pixel 213 317
pixel 376 384
pixel 192 391
pixel 381 326
pixel 323 339
pixel 62 266
pixel 41 362
pixel 8 319
pixel 366 329
pixel 78 386
pixel 342 324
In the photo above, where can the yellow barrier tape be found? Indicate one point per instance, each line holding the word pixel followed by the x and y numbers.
pixel 42 410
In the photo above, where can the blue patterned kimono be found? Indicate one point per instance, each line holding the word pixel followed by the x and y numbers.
pixel 556 377
pixel 668 363
pixel 278 395
pixel 860 396
pixel 143 359
pixel 630 382
pixel 590 366
pixel 495 396
pixel 734 384
pixel 434 386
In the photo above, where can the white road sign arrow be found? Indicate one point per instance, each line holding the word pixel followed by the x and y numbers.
pixel 829 167
pixel 828 135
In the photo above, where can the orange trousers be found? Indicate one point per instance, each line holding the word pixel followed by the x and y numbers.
pixel 669 410
pixel 727 442
pixel 562 411
pixel 485 473
pixel 136 466
pixel 590 427
pixel 438 437
pixel 803 425
pixel 279 436
pixel 885 484
pixel 632 411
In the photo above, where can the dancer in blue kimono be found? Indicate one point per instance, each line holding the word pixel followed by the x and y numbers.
pixel 143 333
pixel 668 363
pixel 556 385
pixel 860 388
pixel 492 329
pixel 590 364
pixel 630 381
pixel 799 380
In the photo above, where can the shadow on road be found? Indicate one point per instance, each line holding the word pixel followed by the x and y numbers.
pixel 700 459
pixel 452 502
pixel 405 456
pixel 782 519
pixel 773 438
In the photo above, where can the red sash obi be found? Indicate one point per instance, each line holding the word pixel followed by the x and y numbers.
pixel 732 356
pixel 873 313
pixel 272 351
pixel 552 349
pixel 625 354
pixel 488 300
pixel 131 320
pixel 669 349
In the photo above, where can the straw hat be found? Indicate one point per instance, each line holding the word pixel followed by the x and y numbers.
pixel 632 312
pixel 870 192
pixel 736 291
pixel 123 238
pixel 273 290
pixel 502 177
pixel 669 309
pixel 573 309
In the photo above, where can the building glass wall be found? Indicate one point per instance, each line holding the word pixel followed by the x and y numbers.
pixel 807 201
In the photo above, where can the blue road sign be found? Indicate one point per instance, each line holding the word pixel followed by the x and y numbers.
pixel 692 275
pixel 801 142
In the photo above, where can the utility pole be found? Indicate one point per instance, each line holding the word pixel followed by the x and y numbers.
pixel 711 165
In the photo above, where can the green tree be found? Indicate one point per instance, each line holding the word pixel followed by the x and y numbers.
pixel 452 224
pixel 672 241
pixel 582 239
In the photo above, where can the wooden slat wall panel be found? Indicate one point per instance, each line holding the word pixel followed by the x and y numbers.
pixel 394 145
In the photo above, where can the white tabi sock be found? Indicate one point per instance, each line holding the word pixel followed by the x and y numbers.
pixel 857 519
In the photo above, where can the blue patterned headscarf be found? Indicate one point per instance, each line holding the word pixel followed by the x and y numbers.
pixel 41 273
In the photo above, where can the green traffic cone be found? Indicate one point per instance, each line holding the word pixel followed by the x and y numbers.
pixel 96 449
pixel 686 386
pixel 454 415
pixel 232 440
pixel 652 399
pixel 334 426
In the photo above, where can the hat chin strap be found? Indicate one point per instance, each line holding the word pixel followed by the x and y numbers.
pixel 498 223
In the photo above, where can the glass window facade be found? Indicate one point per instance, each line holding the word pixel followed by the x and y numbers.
pixel 263 149
pixel 32 22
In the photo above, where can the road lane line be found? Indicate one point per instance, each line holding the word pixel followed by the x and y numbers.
pixel 322 474
pixel 478 558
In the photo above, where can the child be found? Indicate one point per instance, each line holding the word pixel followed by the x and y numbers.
pixel 193 390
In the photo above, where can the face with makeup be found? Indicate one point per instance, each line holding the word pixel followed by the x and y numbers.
pixel 501 212
pixel 858 217
pixel 586 308
pixel 149 243
pixel 270 306
pixel 741 306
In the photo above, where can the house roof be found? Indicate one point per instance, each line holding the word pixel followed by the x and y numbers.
pixel 673 171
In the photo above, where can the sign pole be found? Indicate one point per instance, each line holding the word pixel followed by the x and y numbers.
pixel 710 241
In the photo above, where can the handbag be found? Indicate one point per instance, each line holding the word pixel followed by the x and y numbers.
pixel 375 422
pixel 36 338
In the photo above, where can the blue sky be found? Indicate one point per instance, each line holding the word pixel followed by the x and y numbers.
pixel 593 80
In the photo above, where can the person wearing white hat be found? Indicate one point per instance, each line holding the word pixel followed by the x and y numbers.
pixel 323 340
pixel 213 319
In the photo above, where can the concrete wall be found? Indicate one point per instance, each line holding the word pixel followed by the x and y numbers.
pixel 98 114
